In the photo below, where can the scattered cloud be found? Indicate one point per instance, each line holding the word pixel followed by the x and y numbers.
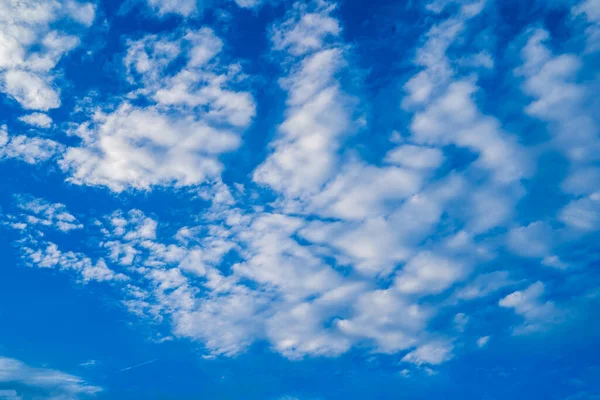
pixel 483 341
pixel 32 150
pixel 177 140
pixel 38 212
pixel 38 120
pixel 31 48
pixel 318 112
pixel 432 353
pixel 536 313
pixel 55 383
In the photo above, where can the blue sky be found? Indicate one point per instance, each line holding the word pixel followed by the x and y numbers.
pixel 263 199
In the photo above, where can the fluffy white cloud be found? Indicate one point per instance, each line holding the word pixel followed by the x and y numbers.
pixel 387 320
pixel 30 90
pixel 437 68
pixel 434 353
pixel 453 118
pixel 54 382
pixel 193 118
pixel 563 102
pixel 360 191
pixel 427 273
pixel 537 313
pixel 30 49
pixel 142 147
pixel 32 150
pixel 446 115
pixel 317 116
pixel 37 119
pixel 374 245
pixel 306 29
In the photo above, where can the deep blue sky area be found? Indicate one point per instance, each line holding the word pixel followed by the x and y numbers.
pixel 311 200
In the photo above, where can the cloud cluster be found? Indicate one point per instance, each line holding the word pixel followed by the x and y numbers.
pixel 30 48
pixel 31 150
pixel 33 220
pixel 194 117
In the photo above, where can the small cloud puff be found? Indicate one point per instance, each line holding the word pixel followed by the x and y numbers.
pixel 37 119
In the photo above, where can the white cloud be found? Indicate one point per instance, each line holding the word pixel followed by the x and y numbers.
pixel 428 273
pixel 37 119
pixel 446 115
pixel 437 68
pixel 375 246
pixel 48 255
pixel 30 90
pixel 148 57
pixel 30 49
pixel 142 147
pixel 433 353
pixel 582 214
pixel 360 191
pixel 35 214
pixel 306 29
pixel 536 313
pixel 483 341
pixel 227 324
pixel 32 150
pixel 182 7
pixel 453 118
pixel 192 119
pixel 38 212
pixel 533 240
pixel 564 103
pixel 82 13
pixel 483 285
pixel 387 320
pixel 417 157
pixel 591 10
pixel 89 363
pixel 317 116
pixel 300 329
pixel 52 381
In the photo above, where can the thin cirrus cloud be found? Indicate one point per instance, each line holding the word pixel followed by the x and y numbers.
pixel 321 246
